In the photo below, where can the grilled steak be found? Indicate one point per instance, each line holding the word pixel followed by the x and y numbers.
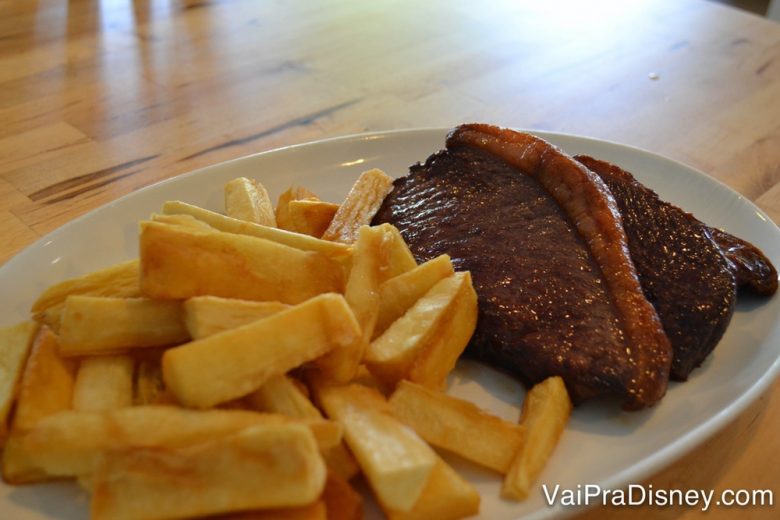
pixel 558 294
pixel 555 295
pixel 683 272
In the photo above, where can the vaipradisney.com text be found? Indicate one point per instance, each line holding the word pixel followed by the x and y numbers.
pixel 646 494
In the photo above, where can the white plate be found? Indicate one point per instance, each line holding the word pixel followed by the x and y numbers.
pixel 600 446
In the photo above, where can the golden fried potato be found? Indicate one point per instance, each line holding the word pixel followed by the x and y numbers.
pixel 457 425
pixel 181 263
pixel 434 363
pixel 46 388
pixel 247 199
pixel 283 219
pixel 360 206
pixel 15 343
pixel 311 217
pixel 398 294
pixel 207 315
pixel 104 383
pixel 186 221
pixel 262 466
pixel 395 461
pixel 400 257
pixel 236 362
pixel 431 335
pixel 196 402
pixel 546 411
pixel 362 295
pixel 121 281
pixel 333 250
pixel 99 325
pixel 279 394
pixel 446 496
pixel 341 462
pixel 70 443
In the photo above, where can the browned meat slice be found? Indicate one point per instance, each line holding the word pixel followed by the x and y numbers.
pixel 752 269
pixel 683 272
pixel 558 294
pixel 689 271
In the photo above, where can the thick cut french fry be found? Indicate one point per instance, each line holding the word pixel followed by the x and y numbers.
pixel 236 362
pixel 283 219
pixel 187 221
pixel 279 394
pixel 98 325
pixel 46 388
pixel 104 383
pixel 546 411
pixel 264 466
pixel 446 496
pixel 247 199
pixel 70 443
pixel 362 295
pixel 207 315
pixel 15 343
pixel 362 202
pixel 398 294
pixel 369 261
pixel 392 355
pixel 340 461
pixel 457 425
pixel 47 382
pixel 341 500
pixel 121 281
pixel 333 250
pixel 311 217
pixel 395 461
pixel 401 258
pixel 178 262
pixel 149 385
pixel 435 362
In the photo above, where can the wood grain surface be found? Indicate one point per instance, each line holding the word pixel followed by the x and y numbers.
pixel 98 99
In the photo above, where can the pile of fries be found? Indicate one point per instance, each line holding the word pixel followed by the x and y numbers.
pixel 253 364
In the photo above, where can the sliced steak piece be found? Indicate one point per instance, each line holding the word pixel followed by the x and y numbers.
pixel 689 271
pixel 683 271
pixel 541 235
pixel 753 270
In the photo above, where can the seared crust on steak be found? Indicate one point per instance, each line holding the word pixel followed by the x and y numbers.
pixel 591 208
pixel 542 236
pixel 682 270
pixel 689 271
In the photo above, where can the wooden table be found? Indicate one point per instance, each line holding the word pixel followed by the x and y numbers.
pixel 99 99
